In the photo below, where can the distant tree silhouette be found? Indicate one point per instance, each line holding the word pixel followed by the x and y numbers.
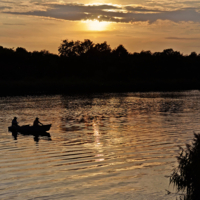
pixel 45 52
pixel 170 52
pixel 193 54
pixel 6 51
pixel 71 48
pixel 86 62
pixel 21 50
pixel 120 51
pixel 66 48
pixel 157 54
pixel 86 45
pixel 146 54
pixel 102 49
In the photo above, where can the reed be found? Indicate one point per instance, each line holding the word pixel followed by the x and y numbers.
pixel 186 177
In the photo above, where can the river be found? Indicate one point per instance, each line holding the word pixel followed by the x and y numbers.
pixel 102 146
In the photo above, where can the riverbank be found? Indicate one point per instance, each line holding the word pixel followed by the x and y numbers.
pixel 70 86
pixel 96 70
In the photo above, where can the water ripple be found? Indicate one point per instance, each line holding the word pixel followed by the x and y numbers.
pixel 102 146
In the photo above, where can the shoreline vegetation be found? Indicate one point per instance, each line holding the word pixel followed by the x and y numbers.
pixel 186 176
pixel 85 67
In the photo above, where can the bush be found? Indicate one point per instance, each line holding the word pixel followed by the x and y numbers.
pixel 186 177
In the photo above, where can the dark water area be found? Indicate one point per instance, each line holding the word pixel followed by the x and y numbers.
pixel 103 146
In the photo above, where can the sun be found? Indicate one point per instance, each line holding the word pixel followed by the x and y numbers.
pixel 95 25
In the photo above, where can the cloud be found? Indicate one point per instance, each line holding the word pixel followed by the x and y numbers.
pixel 9 24
pixel 181 38
pixel 111 13
pixel 4 7
pixel 141 9
pixel 6 2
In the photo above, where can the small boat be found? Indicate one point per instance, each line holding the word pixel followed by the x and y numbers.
pixel 30 129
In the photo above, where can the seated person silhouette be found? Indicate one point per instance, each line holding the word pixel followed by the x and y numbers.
pixel 36 122
pixel 14 122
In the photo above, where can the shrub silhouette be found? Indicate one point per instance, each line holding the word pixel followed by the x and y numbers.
pixel 186 177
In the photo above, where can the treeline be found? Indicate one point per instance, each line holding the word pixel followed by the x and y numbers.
pixel 80 65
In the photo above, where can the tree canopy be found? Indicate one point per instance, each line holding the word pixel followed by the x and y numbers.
pixel 77 48
pixel 83 63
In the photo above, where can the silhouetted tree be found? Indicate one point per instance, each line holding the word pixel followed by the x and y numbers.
pixel 99 50
pixel 6 50
pixel 120 51
pixel 86 45
pixel 21 50
pixel 145 53
pixel 193 54
pixel 170 52
pixel 66 48
pixel 103 47
pixel 85 62
pixel 44 52
pixel 76 48
pixel 157 54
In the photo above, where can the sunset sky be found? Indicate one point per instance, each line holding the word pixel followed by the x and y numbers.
pixel 139 25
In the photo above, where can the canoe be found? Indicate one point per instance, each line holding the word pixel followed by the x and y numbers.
pixel 35 134
pixel 30 129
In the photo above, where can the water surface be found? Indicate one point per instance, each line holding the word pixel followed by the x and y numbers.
pixel 106 146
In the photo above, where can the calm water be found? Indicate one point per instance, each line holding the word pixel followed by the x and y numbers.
pixel 101 147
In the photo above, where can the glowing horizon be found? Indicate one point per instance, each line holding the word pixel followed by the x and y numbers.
pixel 138 25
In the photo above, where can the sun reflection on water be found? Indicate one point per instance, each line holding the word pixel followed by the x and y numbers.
pixel 97 143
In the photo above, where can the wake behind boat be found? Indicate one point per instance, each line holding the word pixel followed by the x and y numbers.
pixel 30 129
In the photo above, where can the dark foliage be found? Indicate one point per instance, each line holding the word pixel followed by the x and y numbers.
pixel 187 175
pixel 85 66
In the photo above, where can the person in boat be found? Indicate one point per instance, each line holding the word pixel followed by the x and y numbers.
pixel 36 122
pixel 14 122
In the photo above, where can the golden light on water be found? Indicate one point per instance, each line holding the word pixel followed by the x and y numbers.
pixel 95 25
